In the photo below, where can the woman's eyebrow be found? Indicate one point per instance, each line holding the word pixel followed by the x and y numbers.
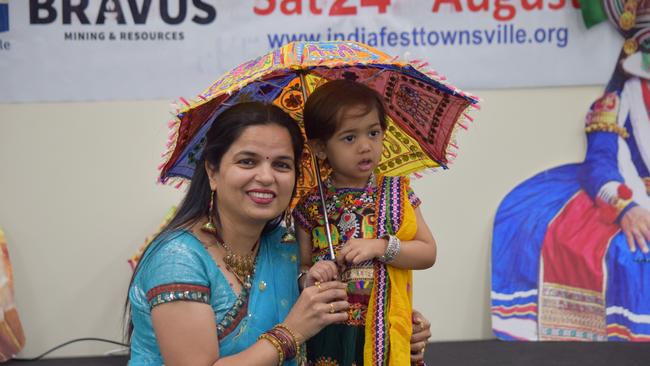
pixel 285 157
pixel 247 153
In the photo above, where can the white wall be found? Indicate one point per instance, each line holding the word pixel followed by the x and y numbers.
pixel 78 197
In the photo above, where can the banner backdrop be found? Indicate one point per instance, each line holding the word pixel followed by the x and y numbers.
pixel 75 50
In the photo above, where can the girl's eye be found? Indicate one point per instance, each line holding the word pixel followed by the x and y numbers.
pixel 348 138
pixel 375 133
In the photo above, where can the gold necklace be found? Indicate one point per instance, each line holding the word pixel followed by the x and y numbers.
pixel 241 265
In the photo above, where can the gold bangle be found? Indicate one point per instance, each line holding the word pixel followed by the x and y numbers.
pixel 291 333
pixel 275 344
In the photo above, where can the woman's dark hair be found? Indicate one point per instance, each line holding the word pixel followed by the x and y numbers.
pixel 226 128
pixel 330 101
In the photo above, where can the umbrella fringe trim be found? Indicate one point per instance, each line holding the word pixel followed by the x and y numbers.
pixel 424 172
pixel 423 67
pixel 172 139
pixel 463 122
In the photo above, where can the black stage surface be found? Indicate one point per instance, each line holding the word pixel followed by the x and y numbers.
pixel 471 353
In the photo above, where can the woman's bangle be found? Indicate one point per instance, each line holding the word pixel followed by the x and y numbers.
pixel 284 340
pixel 392 249
pixel 289 348
pixel 271 339
pixel 294 339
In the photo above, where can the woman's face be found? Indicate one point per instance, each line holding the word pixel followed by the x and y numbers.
pixel 255 180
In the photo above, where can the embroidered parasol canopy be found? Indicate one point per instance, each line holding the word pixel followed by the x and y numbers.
pixel 423 110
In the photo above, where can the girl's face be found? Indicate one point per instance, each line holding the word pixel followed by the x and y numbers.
pixel 255 179
pixel 355 149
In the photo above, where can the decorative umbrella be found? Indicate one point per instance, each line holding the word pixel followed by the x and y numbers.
pixel 423 110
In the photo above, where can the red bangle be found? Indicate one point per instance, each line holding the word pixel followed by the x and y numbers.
pixel 286 341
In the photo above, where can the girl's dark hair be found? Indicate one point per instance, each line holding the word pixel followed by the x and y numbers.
pixel 328 103
pixel 225 130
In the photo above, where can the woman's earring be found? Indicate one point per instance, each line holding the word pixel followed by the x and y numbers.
pixel 321 155
pixel 290 234
pixel 209 227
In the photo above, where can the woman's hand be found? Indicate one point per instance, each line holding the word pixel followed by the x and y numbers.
pixel 355 251
pixel 636 227
pixel 322 271
pixel 318 306
pixel 420 336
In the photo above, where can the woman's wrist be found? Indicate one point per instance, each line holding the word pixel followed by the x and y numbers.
pixel 295 338
pixel 276 344
pixel 285 341
pixel 297 335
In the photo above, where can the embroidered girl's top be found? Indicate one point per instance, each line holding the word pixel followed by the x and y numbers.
pixel 178 268
pixel 351 215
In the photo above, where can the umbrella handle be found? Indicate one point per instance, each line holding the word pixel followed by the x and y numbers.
pixel 319 183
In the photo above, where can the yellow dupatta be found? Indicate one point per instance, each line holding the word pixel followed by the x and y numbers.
pixel 398 300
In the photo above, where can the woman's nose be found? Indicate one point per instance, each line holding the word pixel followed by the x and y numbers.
pixel 264 173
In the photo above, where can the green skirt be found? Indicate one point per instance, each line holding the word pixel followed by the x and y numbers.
pixel 337 345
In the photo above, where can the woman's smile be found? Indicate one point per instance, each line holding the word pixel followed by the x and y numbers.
pixel 261 197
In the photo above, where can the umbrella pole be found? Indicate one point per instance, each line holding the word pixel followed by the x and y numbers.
pixel 323 203
pixel 319 181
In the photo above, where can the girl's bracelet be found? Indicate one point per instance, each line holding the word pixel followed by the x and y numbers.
pixel 392 249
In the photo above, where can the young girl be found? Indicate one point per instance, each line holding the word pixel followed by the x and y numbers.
pixel 377 230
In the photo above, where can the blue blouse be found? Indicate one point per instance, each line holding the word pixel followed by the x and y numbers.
pixel 178 268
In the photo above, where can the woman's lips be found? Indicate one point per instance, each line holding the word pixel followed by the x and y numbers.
pixel 261 197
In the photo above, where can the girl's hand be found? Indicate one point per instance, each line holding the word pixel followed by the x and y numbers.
pixel 356 251
pixel 318 306
pixel 636 227
pixel 322 271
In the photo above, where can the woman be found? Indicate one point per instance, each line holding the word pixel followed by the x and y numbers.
pixel 223 257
